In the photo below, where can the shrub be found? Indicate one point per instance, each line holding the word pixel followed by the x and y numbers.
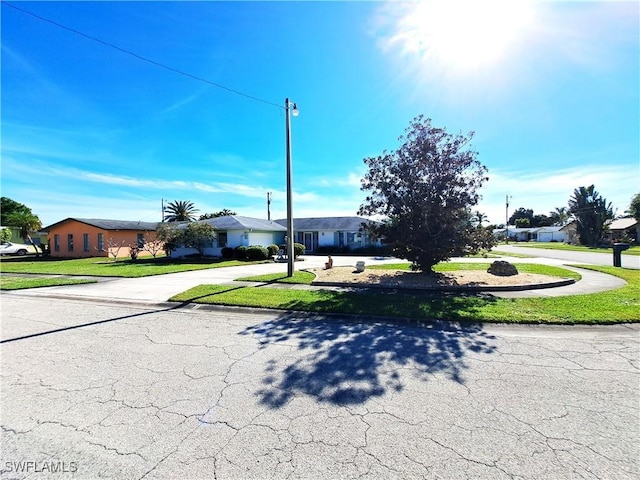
pixel 298 249
pixel 134 251
pixel 240 252
pixel 273 249
pixel 257 252
pixel 227 253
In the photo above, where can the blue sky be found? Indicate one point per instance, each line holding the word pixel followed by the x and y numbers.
pixel 549 88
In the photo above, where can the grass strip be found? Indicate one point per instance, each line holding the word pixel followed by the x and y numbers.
pixel 299 277
pixel 19 283
pixel 103 267
pixel 621 305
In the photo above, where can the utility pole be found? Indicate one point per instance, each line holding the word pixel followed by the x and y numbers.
pixel 269 206
pixel 162 208
pixel 506 221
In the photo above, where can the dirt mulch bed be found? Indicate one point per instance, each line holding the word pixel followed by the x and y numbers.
pixel 403 279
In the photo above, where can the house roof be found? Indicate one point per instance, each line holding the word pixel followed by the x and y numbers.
pixel 622 223
pixel 326 223
pixel 107 224
pixel 550 229
pixel 238 222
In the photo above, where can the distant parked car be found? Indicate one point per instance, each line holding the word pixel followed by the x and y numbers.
pixel 9 248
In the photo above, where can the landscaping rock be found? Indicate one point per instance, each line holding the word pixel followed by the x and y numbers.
pixel 502 269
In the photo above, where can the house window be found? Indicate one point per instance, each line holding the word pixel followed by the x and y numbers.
pixel 101 242
pixel 222 239
pixel 70 242
pixel 56 242
pixel 351 237
pixel 141 241
pixel 85 242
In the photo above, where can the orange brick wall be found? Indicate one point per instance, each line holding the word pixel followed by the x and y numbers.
pixel 77 229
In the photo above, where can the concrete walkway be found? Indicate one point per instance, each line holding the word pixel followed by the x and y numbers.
pixel 159 288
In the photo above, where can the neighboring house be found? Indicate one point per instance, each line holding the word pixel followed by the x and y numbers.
pixel 235 230
pixel 570 231
pixel 39 237
pixel 538 234
pixel 330 232
pixel 623 227
pixel 92 237
pixel 550 234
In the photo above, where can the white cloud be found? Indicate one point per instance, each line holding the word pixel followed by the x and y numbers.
pixel 543 192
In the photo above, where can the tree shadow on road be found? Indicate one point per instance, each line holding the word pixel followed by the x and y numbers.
pixel 346 361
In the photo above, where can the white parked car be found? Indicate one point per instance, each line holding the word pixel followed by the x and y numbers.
pixel 9 248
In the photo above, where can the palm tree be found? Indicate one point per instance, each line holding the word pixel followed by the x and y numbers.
pixel 180 211
pixel 591 212
pixel 222 213
pixel 27 222
pixel 560 216
pixel 479 217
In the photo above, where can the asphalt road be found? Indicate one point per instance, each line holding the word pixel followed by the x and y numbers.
pixel 627 261
pixel 100 390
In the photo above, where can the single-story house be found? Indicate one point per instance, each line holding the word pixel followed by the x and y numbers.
pixel 550 234
pixel 236 230
pixel 92 237
pixel 537 234
pixel 623 227
pixel 330 232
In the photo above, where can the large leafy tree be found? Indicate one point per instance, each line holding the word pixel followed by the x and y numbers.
pixel 524 217
pixel 10 207
pixel 591 212
pixel 180 211
pixel 170 235
pixel 196 235
pixel 199 235
pixel 27 222
pixel 424 191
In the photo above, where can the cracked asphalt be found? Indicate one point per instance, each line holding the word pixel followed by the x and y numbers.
pixel 96 389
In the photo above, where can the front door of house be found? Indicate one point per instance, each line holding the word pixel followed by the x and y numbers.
pixel 308 242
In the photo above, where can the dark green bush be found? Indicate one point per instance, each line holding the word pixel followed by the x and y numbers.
pixel 298 249
pixel 240 252
pixel 227 253
pixel 257 252
pixel 273 249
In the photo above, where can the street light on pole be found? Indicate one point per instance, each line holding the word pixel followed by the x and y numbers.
pixel 506 223
pixel 289 108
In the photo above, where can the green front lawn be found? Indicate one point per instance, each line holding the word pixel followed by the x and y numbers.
pixel 621 305
pixel 299 276
pixel 102 267
pixel 634 250
pixel 8 282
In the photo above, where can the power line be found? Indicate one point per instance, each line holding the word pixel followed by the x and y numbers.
pixel 145 59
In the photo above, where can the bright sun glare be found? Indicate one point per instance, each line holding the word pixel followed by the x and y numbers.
pixel 462 33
